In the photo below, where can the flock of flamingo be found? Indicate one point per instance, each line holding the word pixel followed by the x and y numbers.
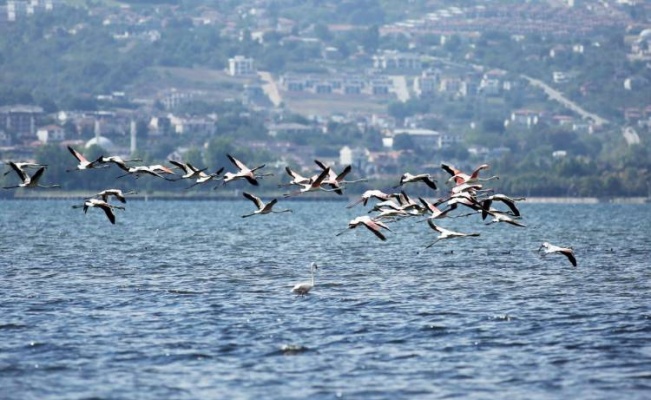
pixel 463 192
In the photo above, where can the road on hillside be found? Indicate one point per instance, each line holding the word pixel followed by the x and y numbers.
pixel 558 96
pixel 400 87
pixel 270 88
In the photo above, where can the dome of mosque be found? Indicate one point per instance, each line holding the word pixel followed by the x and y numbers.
pixel 102 142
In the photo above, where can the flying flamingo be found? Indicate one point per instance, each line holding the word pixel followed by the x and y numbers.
pixel 335 180
pixel 446 233
pixel 153 170
pixel 312 185
pixel 460 177
pixel 117 193
pixel 189 170
pixel 117 160
pixel 106 207
pixel 21 166
pixel 243 172
pixel 297 179
pixel 29 181
pixel 371 224
pixel 432 208
pixel 509 201
pixel 499 216
pixel 304 288
pixel 566 251
pixel 83 162
pixel 374 193
pixel 410 178
pixel 204 177
pixel 263 208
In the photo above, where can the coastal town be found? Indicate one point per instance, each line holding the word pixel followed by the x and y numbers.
pixel 413 91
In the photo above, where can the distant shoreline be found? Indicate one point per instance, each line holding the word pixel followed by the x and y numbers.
pixel 42 195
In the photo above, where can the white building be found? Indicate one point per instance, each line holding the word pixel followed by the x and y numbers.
pixel 357 157
pixel 240 65
pixel 50 133
pixel 391 60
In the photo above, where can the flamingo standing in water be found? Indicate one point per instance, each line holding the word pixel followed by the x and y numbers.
pixel 263 208
pixel 566 251
pixel 371 224
pixel 304 288
pixel 29 181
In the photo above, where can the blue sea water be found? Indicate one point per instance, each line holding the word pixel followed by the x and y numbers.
pixel 186 300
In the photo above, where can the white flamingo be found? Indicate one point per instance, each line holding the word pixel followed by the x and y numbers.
pixel 334 180
pixel 446 233
pixel 411 178
pixel 263 208
pixel 204 177
pixel 83 163
pixel 153 170
pixel 509 201
pixel 566 251
pixel 369 194
pixel 371 224
pixel 117 160
pixel 21 166
pixel 460 177
pixel 499 216
pixel 304 288
pixel 243 172
pixel 106 207
pixel 297 179
pixel 30 181
pixel 313 185
pixel 117 193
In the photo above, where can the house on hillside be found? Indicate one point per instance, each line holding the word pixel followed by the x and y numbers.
pixel 240 66
pixel 20 119
pixel 50 133
pixel 393 60
pixel 427 138
pixel 427 83
pixel 358 157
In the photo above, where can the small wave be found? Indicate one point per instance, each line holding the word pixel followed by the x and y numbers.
pixel 12 326
pixel 291 350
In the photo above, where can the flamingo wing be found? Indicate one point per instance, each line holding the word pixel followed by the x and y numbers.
pixel 77 155
pixel 256 200
pixel 22 174
pixel 236 162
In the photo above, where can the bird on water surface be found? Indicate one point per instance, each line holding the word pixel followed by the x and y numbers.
pixel 304 288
